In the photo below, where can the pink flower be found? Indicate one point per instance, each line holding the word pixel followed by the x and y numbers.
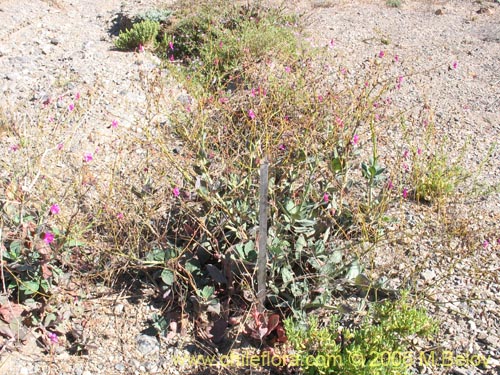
pixel 14 148
pixel 288 69
pixel 331 43
pixel 55 209
pixel 390 185
pixel 48 237
pixel 320 98
pixel 223 100
pixel 339 122
pixel 176 192
pixel 396 58
pixel 486 244
pixel 141 48
pixel 87 157
pixel 60 146
pixel 455 64
pixel 171 45
pixel 53 338
pixel 381 54
pixel 77 96
pixel 286 118
pixel 377 117
pixel 419 151
pixel 252 93
pixel 326 198
pixel 343 70
pixel 405 154
pixel 406 167
pixel 220 44
pixel 251 114
pixel 282 147
pixel 51 119
pixel 119 216
pixel 355 139
pixel 114 124
pixel 405 193
pixel 171 58
pixel 71 107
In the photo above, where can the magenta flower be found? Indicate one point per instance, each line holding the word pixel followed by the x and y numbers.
pixel 405 154
pixel 171 58
pixel 286 118
pixel 355 139
pixel 332 43
pixel 48 237
pixel 60 146
pixel 252 93
pixel 71 107
pixel 390 185
pixel 396 58
pixel 87 157
pixel 171 45
pixel 381 54
pixel 176 192
pixel 141 48
pixel 419 151
pixel 282 147
pixel 114 124
pixel 486 244
pixel 77 96
pixel 251 114
pixel 405 193
pixel 14 148
pixel 326 198
pixel 288 69
pixel 320 98
pixel 119 216
pixel 343 70
pixel 54 340
pixel 55 209
pixel 455 64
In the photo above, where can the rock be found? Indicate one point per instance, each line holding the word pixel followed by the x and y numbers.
pixel 428 275
pixel 120 367
pixel 439 12
pixel 118 310
pixel 147 344
pixel 54 41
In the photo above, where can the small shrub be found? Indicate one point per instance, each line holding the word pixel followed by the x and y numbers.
pixel 386 329
pixel 155 15
pixel 393 3
pixel 142 33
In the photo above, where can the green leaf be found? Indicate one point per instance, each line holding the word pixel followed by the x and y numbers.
pixel 287 275
pixel 73 243
pixel 14 250
pixel 30 287
pixel 167 276
pixel 354 270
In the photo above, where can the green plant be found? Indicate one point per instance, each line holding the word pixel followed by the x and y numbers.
pixel 367 349
pixel 393 3
pixel 160 16
pixel 218 42
pixel 143 33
